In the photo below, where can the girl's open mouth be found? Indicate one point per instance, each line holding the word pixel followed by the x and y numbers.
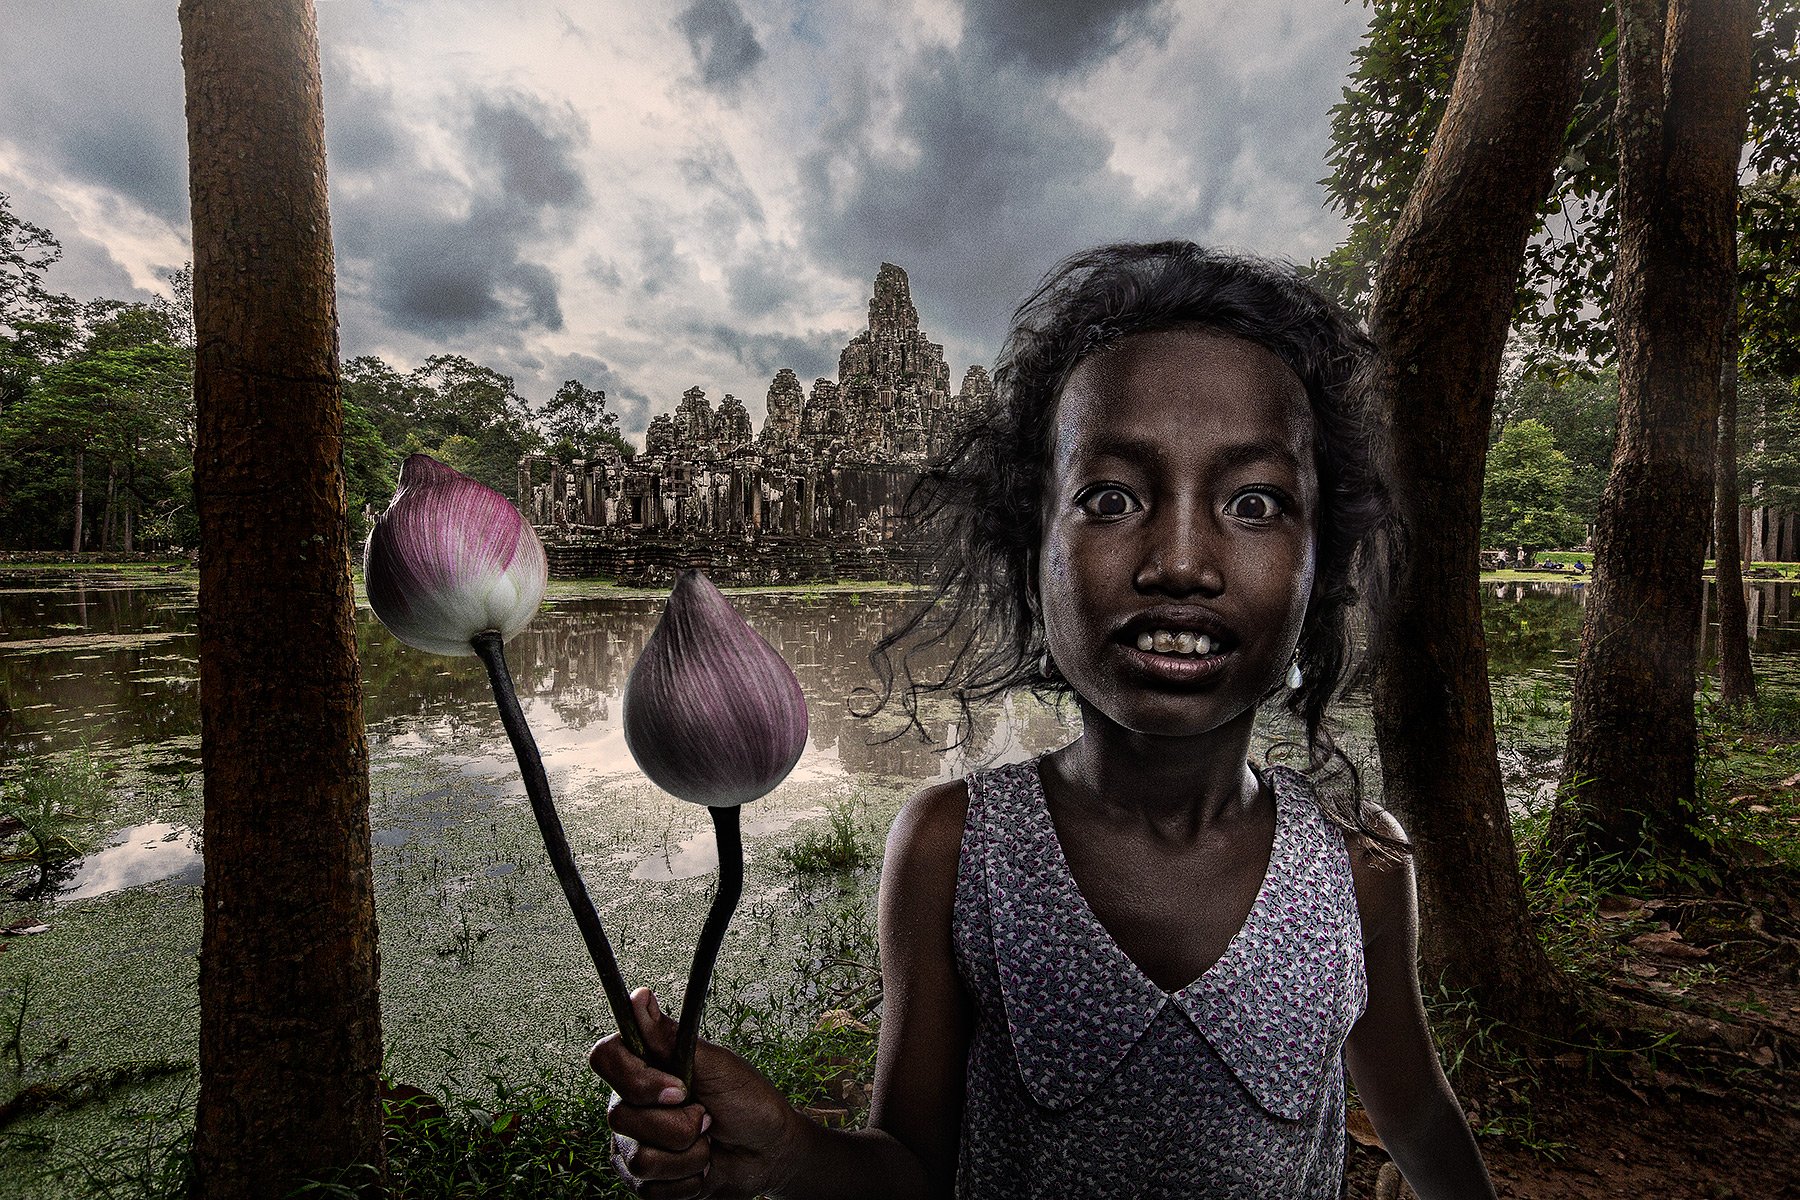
pixel 1176 666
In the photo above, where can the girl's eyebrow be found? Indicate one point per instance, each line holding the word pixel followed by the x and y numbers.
pixel 1230 457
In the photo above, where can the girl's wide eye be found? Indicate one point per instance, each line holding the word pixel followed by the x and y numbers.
pixel 1108 502
pixel 1254 505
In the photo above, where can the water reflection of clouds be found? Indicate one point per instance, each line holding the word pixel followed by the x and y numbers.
pixel 698 853
pixel 139 855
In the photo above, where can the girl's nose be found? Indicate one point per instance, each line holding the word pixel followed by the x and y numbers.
pixel 1180 557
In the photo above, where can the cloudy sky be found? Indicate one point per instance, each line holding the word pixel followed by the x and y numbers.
pixel 652 194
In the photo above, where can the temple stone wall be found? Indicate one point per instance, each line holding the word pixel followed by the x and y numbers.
pixel 815 496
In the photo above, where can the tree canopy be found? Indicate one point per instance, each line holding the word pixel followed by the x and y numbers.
pixel 1524 495
pixel 97 413
pixel 1395 97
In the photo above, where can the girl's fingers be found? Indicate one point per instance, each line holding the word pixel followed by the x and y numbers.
pixel 634 1080
pixel 668 1172
pixel 659 1030
pixel 670 1129
pixel 630 1076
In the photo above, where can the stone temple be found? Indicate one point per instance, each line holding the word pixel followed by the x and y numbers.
pixel 816 495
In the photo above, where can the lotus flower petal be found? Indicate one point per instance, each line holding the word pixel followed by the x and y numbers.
pixel 451 558
pixel 713 713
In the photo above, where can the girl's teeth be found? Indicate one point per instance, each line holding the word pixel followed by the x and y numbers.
pixel 1185 642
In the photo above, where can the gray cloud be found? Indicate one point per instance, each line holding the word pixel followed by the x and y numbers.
pixel 1004 183
pixel 442 257
pixel 763 284
pixel 1057 36
pixel 724 45
pixel 763 354
pixel 98 93
pixel 712 168
pixel 661 265
pixel 623 399
pixel 536 162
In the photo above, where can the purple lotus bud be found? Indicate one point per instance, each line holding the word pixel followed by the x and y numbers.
pixel 451 558
pixel 713 714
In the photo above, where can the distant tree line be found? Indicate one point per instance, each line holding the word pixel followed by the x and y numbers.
pixel 97 415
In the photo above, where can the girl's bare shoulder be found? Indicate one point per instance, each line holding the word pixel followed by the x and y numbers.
pixel 927 834
pixel 1384 881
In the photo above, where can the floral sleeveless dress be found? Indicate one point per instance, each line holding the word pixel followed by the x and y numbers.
pixel 1086 1079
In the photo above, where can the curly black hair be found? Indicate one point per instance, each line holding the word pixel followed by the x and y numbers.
pixel 977 504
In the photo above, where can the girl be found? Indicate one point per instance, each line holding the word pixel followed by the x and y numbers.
pixel 1139 965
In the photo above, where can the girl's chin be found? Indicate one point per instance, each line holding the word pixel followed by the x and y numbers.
pixel 1165 716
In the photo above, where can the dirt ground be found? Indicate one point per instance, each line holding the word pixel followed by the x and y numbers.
pixel 1698 1097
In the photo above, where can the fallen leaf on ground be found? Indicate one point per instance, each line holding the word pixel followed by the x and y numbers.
pixel 1356 1123
pixel 1617 908
pixel 1668 944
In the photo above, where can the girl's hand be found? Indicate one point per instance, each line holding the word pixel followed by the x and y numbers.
pixel 734 1136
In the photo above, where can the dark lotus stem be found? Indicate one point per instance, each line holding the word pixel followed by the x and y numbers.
pixel 712 935
pixel 537 787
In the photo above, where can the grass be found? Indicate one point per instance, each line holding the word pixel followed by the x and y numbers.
pixel 45 806
pixel 845 844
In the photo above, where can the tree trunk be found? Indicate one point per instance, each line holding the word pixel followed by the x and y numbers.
pixel 80 518
pixel 1443 299
pixel 106 514
pixel 290 1033
pixel 130 504
pixel 1737 682
pixel 1628 788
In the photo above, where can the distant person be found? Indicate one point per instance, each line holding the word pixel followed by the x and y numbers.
pixel 1136 966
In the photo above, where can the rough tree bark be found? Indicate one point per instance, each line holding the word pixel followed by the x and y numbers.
pixel 1628 774
pixel 1737 681
pixel 290 1034
pixel 1443 300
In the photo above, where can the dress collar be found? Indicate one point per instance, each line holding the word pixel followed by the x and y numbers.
pixel 1076 1003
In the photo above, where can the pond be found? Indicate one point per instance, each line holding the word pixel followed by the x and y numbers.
pixel 483 973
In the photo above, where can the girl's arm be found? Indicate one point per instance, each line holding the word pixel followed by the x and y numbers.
pixel 1390 1052
pixel 926 1022
pixel 736 1136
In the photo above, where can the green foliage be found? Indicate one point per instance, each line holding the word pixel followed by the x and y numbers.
pixel 1580 408
pixel 578 426
pixel 48 803
pixel 118 402
pixel 1769 442
pixel 843 845
pixel 369 474
pixel 1399 86
pixel 452 408
pixel 1769 276
pixel 1524 497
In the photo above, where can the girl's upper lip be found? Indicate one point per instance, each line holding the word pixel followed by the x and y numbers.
pixel 1175 618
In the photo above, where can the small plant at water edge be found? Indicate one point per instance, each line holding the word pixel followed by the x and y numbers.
pixel 843 846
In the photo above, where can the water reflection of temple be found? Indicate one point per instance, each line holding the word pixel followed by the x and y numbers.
pixel 815 495
pixel 574 658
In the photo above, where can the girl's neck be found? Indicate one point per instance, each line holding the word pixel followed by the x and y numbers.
pixel 1176 784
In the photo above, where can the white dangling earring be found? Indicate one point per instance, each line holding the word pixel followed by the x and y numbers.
pixel 1293 676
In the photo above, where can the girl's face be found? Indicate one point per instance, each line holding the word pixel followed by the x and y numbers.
pixel 1180 515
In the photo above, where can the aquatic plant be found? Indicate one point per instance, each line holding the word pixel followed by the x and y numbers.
pixel 453 568
pixel 713 715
